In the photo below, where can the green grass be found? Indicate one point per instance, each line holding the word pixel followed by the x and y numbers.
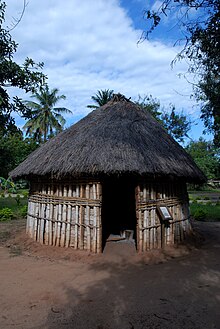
pixel 207 213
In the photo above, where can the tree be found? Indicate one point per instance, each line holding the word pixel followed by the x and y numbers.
pixel 206 156
pixel 199 22
pixel 14 148
pixel 176 124
pixel 27 77
pixel 101 98
pixel 46 120
pixel 151 105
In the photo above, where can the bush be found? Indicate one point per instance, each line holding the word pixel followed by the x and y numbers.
pixel 23 211
pixel 25 193
pixel 200 214
pixel 6 214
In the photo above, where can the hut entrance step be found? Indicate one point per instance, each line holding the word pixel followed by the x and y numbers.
pixel 125 236
pixel 120 250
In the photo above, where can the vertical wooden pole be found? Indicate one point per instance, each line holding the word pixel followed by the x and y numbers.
pixel 55 207
pixel 47 216
pixel 30 219
pixel 60 194
pixel 99 220
pixel 77 219
pixel 36 213
pixel 81 220
pixel 145 220
pixel 87 215
pixel 51 224
pixel 94 242
pixel 73 219
pixel 42 215
pixel 63 218
pixel 68 230
pixel 137 196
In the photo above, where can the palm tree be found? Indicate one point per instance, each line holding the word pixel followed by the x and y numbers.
pixel 101 98
pixel 46 120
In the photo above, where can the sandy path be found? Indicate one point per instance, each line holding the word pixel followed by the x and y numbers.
pixel 39 289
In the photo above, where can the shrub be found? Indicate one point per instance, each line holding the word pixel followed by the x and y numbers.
pixel 18 199
pixel 199 214
pixel 6 214
pixel 23 211
pixel 25 193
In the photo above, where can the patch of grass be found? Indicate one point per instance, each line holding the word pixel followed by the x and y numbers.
pixel 205 212
pixel 18 208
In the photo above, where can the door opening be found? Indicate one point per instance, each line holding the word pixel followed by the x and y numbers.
pixel 118 209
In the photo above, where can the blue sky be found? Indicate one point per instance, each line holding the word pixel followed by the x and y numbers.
pixel 91 45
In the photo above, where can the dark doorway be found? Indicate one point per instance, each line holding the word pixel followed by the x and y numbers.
pixel 118 207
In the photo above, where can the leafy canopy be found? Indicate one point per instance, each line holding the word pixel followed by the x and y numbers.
pixel 199 23
pixel 176 124
pixel 14 148
pixel 206 156
pixel 46 120
pixel 101 98
pixel 27 77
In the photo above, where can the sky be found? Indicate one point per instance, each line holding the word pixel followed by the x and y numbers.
pixel 90 45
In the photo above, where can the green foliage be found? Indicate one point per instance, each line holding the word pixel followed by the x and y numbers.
pixel 101 98
pixel 18 199
pixel 206 156
pixel 176 124
pixel 6 184
pixel 27 77
pixel 14 148
pixel 6 214
pixel 151 105
pixel 23 211
pixel 25 193
pixel 199 214
pixel 206 212
pixel 45 119
pixel 10 202
pixel 199 23
pixel 16 208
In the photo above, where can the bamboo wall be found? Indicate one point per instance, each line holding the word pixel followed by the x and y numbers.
pixel 69 214
pixel 151 233
pixel 66 215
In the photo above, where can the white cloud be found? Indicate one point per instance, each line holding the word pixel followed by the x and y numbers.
pixel 89 45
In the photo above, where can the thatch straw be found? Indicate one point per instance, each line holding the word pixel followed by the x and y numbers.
pixel 117 138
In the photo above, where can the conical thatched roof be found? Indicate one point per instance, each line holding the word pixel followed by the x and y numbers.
pixel 117 138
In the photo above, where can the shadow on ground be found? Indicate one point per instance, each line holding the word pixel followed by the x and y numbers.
pixel 181 293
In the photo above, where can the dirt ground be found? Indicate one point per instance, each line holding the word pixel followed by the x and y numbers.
pixel 53 288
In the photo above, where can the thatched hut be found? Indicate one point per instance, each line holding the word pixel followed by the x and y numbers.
pixel 116 170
